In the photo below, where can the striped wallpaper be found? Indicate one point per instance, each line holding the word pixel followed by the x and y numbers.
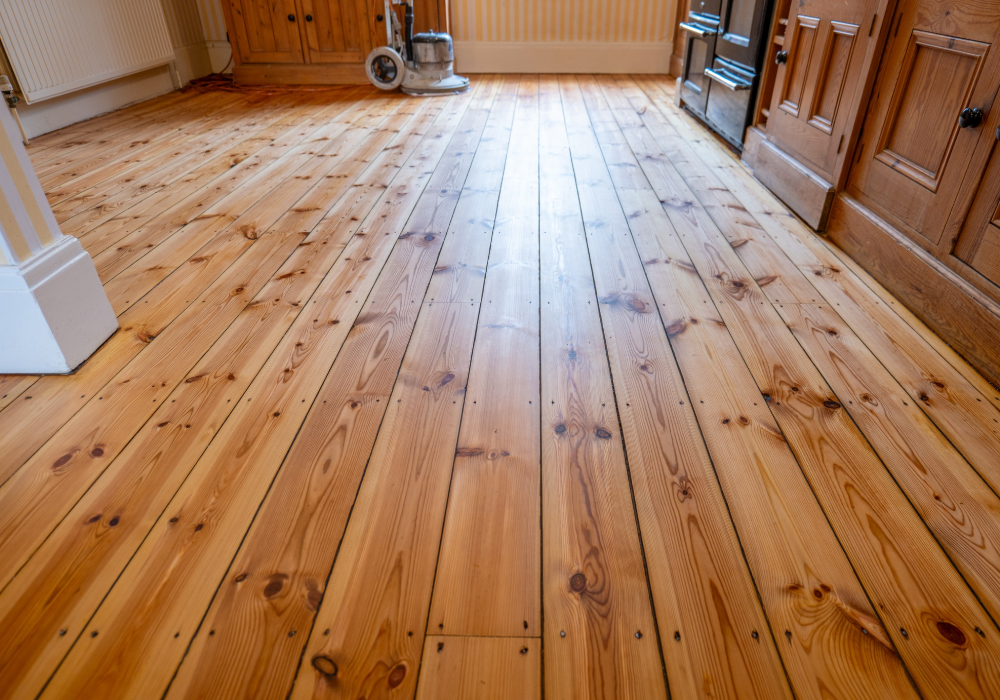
pixel 195 21
pixel 638 21
pixel 212 19
pixel 184 22
pixel 27 224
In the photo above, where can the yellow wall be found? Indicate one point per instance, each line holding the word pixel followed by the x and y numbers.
pixel 639 21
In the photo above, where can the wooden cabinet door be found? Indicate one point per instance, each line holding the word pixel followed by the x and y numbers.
pixel 978 245
pixel 818 85
pixel 267 31
pixel 337 31
pixel 914 158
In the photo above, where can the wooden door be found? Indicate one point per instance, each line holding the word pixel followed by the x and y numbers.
pixel 267 31
pixel 978 244
pixel 915 155
pixel 337 31
pixel 812 108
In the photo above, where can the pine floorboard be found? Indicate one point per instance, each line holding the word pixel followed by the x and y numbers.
pixel 528 392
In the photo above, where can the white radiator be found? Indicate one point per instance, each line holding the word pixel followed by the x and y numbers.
pixel 58 46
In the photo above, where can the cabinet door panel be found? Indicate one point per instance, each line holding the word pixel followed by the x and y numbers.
pixel 813 108
pixel 914 157
pixel 833 75
pixel 938 77
pixel 339 31
pixel 800 54
pixel 978 244
pixel 264 32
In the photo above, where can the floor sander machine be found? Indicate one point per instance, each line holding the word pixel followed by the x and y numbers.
pixel 421 64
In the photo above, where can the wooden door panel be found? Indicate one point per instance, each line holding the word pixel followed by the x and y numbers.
pixel 914 157
pixel 833 75
pixel 264 32
pixel 820 83
pixel 978 245
pixel 938 76
pixel 797 67
pixel 339 31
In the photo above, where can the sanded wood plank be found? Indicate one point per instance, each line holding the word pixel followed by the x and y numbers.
pixel 706 605
pixel 926 606
pixel 12 386
pixel 81 133
pixel 262 197
pixel 955 503
pixel 594 591
pixel 369 630
pixel 818 259
pixel 481 668
pixel 95 435
pixel 169 300
pixel 87 209
pixel 236 164
pixel 138 485
pixel 960 509
pixel 837 645
pixel 295 536
pixel 488 576
pixel 160 597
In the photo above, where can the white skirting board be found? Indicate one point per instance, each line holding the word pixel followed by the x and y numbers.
pixel 562 57
pixel 53 311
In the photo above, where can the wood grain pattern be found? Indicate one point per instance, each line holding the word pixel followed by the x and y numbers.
pixel 837 644
pixel 594 589
pixel 488 577
pixel 481 668
pixel 368 639
pixel 886 540
pixel 335 442
pixel 706 605
pixel 249 450
pixel 258 498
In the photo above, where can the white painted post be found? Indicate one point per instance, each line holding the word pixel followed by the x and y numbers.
pixel 53 310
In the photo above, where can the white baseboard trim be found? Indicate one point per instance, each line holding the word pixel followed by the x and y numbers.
pixel 193 61
pixel 53 311
pixel 561 57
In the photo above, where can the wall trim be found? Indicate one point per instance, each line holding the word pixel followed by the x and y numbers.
pixel 53 311
pixel 562 57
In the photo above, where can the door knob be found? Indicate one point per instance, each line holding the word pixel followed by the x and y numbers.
pixel 970 117
pixel 781 57
pixel 309 18
pixel 291 18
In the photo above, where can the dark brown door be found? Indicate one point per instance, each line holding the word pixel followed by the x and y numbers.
pixel 337 31
pixel 916 151
pixel 811 110
pixel 267 31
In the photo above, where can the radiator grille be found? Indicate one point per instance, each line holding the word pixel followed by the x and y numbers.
pixel 58 46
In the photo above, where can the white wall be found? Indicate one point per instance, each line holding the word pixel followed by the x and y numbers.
pixel 198 33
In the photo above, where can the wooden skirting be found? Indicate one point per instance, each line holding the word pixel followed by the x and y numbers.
pixel 807 194
pixel 300 74
pixel 943 300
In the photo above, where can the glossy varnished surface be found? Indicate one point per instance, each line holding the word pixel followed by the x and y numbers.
pixel 527 391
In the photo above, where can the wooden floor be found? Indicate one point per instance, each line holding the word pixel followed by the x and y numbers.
pixel 528 391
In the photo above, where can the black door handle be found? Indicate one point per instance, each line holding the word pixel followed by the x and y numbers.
pixel 970 117
pixel 781 57
pixel 291 18
pixel 309 18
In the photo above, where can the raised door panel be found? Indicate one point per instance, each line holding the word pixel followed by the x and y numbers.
pixel 915 156
pixel 267 31
pixel 800 53
pixel 921 132
pixel 815 105
pixel 978 245
pixel 337 31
